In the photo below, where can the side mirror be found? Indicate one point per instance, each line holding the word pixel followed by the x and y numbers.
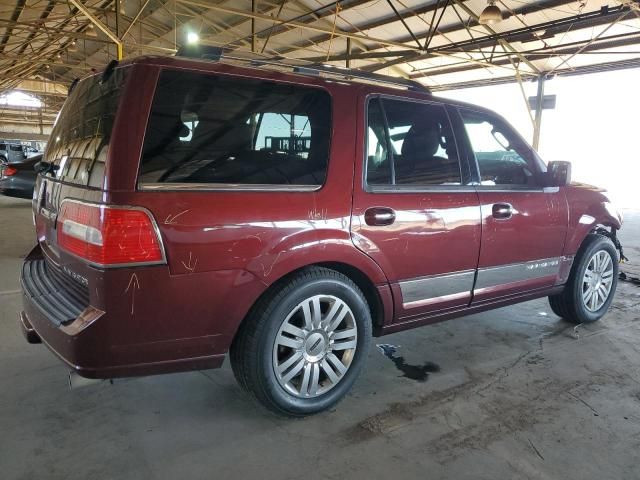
pixel 558 174
pixel 46 167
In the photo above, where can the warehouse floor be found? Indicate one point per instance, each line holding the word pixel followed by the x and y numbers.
pixel 514 393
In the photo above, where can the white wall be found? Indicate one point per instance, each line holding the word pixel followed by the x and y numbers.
pixel 595 125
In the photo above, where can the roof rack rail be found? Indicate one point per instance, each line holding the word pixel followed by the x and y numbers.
pixel 206 52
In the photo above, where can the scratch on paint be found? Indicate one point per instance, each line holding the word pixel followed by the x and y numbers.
pixel 172 220
pixel 134 285
pixel 315 214
pixel 265 271
pixel 188 265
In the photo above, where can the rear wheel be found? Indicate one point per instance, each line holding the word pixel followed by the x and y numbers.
pixel 303 345
pixel 592 282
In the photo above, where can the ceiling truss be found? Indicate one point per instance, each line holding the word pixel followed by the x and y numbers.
pixel 437 42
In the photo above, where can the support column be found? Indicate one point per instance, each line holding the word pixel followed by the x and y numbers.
pixel 538 116
pixel 254 9
pixel 348 59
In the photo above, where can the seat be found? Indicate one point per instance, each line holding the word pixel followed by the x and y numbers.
pixel 419 163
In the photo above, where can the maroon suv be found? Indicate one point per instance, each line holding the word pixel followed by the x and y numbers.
pixel 191 208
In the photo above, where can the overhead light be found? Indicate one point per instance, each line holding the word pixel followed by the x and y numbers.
pixel 490 15
pixel 192 38
pixel 123 7
pixel 73 46
pixel 58 56
pixel 91 31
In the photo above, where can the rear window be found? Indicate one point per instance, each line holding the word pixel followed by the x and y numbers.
pixel 220 130
pixel 79 141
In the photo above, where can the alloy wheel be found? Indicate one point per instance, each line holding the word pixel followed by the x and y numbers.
pixel 315 346
pixel 597 281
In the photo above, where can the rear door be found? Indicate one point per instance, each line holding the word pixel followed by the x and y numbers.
pixel 415 212
pixel 523 224
pixel 16 153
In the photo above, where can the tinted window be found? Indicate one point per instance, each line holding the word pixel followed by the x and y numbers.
pixel 223 130
pixel 503 158
pixel 410 143
pixel 16 148
pixel 80 138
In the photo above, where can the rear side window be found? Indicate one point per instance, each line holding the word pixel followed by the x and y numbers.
pixel 410 143
pixel 80 139
pixel 206 129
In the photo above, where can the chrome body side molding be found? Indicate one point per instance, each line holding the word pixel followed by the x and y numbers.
pixel 517 272
pixel 436 288
pixel 419 291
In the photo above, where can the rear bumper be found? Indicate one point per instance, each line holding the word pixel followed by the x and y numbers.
pixel 73 351
pixel 16 187
pixel 174 323
pixel 27 330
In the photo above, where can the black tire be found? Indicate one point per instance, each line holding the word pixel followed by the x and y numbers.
pixel 569 303
pixel 252 351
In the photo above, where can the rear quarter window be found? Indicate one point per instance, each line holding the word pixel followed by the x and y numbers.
pixel 80 139
pixel 221 130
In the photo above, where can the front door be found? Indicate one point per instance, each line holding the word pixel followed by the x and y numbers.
pixel 415 211
pixel 523 224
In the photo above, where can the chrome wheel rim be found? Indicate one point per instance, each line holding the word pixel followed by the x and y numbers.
pixel 597 281
pixel 315 346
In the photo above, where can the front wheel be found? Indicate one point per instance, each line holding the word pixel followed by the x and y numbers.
pixel 592 282
pixel 303 345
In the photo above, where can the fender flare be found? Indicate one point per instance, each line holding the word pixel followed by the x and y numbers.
pixel 599 214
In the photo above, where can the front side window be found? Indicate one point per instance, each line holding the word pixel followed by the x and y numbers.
pixel 16 148
pixel 502 157
pixel 410 143
pixel 235 131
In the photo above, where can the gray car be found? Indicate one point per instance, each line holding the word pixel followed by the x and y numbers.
pixel 15 152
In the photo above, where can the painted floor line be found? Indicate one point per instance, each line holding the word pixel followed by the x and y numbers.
pixel 10 292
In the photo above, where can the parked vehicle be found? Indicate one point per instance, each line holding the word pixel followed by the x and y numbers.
pixel 191 209
pixel 17 179
pixel 15 152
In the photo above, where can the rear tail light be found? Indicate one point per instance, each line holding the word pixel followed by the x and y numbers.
pixel 8 171
pixel 108 235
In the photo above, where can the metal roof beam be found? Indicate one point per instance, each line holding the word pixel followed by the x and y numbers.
pixel 296 24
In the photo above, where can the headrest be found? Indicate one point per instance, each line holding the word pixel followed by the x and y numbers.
pixel 422 139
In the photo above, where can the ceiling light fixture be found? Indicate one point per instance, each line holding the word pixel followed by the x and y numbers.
pixel 73 46
pixel 490 15
pixel 192 38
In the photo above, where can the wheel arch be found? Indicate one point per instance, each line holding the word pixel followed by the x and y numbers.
pixel 596 220
pixel 378 297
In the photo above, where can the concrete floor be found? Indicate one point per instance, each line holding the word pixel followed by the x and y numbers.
pixel 519 394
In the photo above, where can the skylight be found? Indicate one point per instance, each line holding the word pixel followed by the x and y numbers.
pixel 16 98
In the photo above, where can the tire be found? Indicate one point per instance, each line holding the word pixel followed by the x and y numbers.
pixel 581 300
pixel 282 328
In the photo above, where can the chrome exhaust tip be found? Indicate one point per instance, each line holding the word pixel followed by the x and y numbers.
pixel 77 381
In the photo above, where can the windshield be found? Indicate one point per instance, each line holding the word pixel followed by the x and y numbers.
pixel 80 138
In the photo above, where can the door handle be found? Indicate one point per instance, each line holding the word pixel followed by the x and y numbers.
pixel 502 211
pixel 379 216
